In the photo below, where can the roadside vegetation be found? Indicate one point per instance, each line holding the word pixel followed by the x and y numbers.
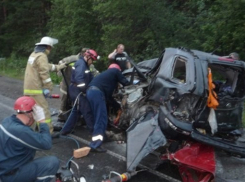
pixel 14 67
pixel 145 27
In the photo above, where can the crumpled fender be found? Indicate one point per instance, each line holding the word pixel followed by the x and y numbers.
pixel 196 162
pixel 143 137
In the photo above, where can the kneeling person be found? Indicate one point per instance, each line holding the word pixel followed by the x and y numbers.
pixel 18 145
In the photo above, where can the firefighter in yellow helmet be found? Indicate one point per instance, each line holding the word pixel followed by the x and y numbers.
pixel 37 81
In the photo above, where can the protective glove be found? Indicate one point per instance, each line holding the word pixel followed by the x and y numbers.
pixel 61 66
pixel 61 62
pixel 46 92
pixel 38 113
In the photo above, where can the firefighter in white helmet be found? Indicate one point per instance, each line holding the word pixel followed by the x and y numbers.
pixel 37 81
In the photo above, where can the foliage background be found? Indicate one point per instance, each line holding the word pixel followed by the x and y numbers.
pixel 145 27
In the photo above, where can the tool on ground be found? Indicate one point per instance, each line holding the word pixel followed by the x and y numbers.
pixel 121 177
pixel 66 174
pixel 47 94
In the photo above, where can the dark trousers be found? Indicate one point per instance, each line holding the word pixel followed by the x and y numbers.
pixel 39 170
pixel 97 102
pixel 63 107
pixel 82 108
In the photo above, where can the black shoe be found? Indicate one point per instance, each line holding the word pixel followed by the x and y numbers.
pixel 98 150
pixel 55 135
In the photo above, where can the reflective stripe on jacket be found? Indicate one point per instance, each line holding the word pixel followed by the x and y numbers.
pixel 81 75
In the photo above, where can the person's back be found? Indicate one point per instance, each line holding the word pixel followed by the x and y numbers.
pixel 107 81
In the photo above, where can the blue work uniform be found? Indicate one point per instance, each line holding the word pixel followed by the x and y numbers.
pixel 80 79
pixel 18 145
pixel 100 90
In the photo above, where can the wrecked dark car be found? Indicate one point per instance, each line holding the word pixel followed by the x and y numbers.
pixel 170 105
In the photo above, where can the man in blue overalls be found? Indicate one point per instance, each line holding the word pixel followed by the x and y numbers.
pixel 100 90
pixel 80 79
pixel 18 145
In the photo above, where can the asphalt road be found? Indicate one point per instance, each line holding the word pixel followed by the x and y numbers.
pixel 95 166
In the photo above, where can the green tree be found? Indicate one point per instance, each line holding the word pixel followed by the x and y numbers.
pixel 218 25
pixel 22 24
pixel 145 27
pixel 75 25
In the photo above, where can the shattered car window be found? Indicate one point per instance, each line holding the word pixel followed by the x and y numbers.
pixel 179 70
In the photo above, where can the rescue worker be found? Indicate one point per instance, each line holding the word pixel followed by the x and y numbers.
pixel 37 81
pixel 18 145
pixel 234 55
pixel 65 102
pixel 80 79
pixel 99 91
pixel 120 57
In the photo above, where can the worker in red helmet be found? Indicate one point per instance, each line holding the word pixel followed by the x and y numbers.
pixel 80 79
pixel 65 98
pixel 18 145
pixel 99 92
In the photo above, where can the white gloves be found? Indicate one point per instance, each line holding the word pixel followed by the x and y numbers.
pixel 61 62
pixel 61 66
pixel 38 113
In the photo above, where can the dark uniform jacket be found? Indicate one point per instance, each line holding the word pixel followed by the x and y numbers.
pixel 81 75
pixel 18 143
pixel 108 80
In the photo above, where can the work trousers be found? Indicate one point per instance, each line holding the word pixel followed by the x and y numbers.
pixel 41 101
pixel 97 102
pixel 63 107
pixel 81 108
pixel 39 170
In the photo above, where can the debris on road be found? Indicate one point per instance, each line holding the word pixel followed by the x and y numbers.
pixel 81 152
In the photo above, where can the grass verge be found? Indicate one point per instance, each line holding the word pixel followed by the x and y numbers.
pixel 15 68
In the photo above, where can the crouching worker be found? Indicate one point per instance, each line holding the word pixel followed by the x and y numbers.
pixel 100 90
pixel 18 145
pixel 80 79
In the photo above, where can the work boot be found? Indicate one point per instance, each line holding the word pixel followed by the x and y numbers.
pixel 55 135
pixel 98 150
pixel 61 117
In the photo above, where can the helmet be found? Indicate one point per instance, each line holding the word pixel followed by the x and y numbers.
pixel 24 104
pixel 92 54
pixel 115 66
pixel 48 41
